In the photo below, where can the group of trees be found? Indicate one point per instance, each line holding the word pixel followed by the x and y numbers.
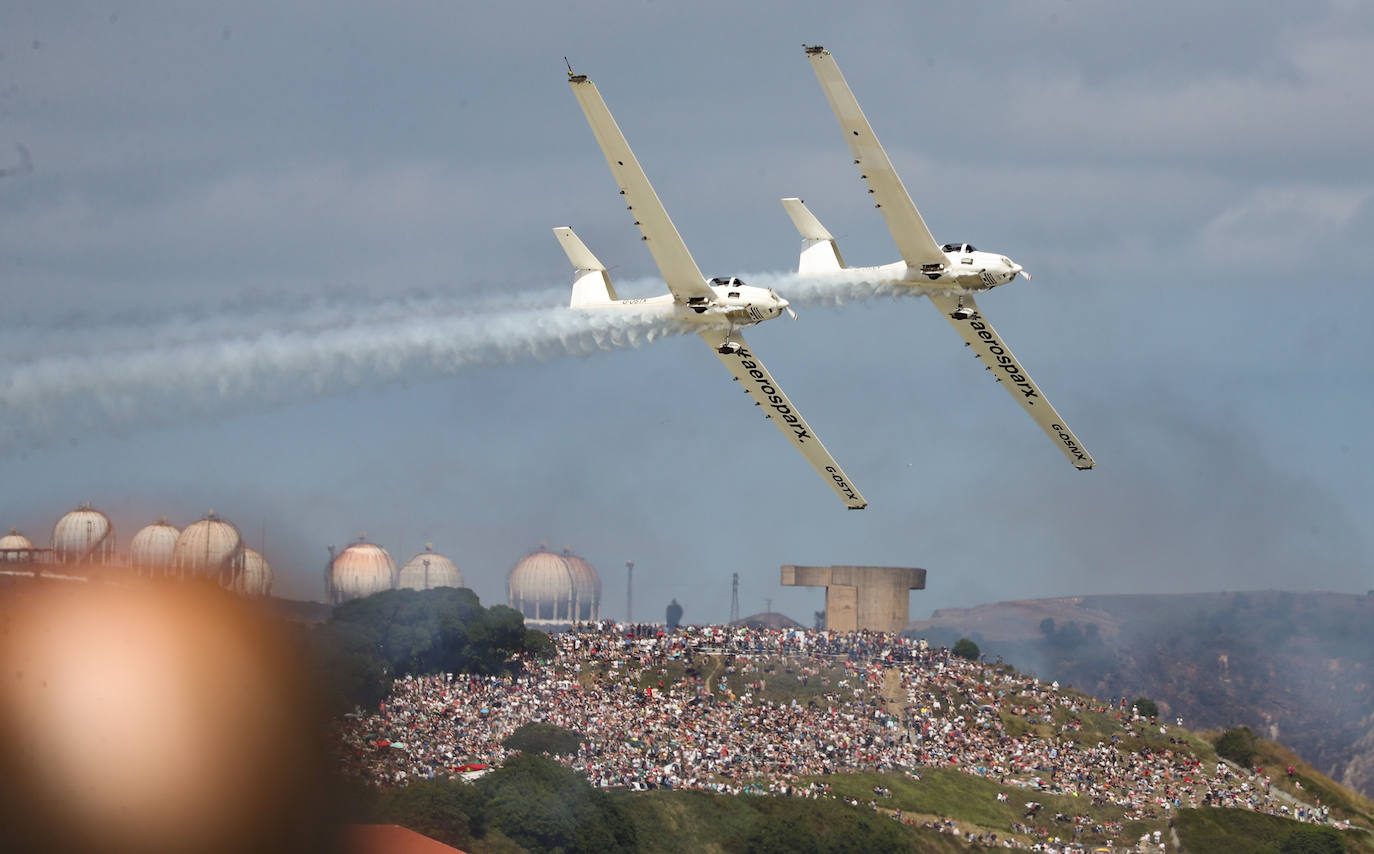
pixel 531 800
pixel 540 737
pixel 1238 745
pixel 370 641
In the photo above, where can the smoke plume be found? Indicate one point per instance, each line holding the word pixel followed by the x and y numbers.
pixel 65 379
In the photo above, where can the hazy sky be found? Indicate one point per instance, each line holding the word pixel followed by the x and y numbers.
pixel 294 263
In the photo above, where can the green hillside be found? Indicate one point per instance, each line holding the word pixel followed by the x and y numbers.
pixel 689 822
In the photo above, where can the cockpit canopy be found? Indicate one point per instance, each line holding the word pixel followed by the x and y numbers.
pixel 727 281
pixel 965 248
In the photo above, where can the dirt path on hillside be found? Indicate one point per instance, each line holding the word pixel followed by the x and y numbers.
pixel 894 698
pixel 719 664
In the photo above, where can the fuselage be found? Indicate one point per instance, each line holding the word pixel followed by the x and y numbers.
pixel 965 269
pixel 734 306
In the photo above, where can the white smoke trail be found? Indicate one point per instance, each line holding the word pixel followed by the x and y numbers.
pixel 114 377
pixel 828 289
pixel 64 380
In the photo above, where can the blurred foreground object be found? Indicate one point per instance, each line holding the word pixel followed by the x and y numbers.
pixel 159 719
pixel 391 839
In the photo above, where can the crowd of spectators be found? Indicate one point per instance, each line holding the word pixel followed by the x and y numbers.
pixel 691 710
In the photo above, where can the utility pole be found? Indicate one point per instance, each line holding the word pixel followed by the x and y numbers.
pixel 734 598
pixel 629 591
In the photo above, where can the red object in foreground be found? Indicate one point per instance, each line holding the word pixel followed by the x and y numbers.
pixel 391 839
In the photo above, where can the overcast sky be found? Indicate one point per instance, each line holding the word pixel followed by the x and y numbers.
pixel 293 262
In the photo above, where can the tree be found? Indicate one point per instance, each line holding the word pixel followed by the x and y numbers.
pixel 1145 707
pixel 1238 745
pixel 1047 627
pixel 450 811
pixel 965 648
pixel 370 641
pixel 349 671
pixel 674 615
pixel 539 645
pixel 544 807
pixel 543 738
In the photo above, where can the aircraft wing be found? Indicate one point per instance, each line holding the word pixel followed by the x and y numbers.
pixel 909 231
pixel 768 395
pixel 988 346
pixel 670 253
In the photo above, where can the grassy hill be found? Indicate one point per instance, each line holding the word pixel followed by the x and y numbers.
pixel 1296 667
pixel 937 814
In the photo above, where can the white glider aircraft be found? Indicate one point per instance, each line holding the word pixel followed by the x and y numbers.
pixel 950 274
pixel 715 309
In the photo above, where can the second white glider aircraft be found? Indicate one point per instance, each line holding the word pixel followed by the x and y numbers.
pixel 716 309
pixel 948 274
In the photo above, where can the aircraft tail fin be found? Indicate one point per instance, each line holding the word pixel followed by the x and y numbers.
pixel 591 286
pixel 820 253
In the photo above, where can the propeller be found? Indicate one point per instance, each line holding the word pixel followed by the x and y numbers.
pixel 782 303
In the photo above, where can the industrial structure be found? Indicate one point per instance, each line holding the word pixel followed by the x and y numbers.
pixel 872 598
pixel 209 548
pixel 83 537
pixel 256 578
pixel 84 547
pixel 150 551
pixel 15 548
pixel 428 570
pixel 364 568
pixel 554 589
pixel 361 569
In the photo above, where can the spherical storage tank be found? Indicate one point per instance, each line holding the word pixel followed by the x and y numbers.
pixel 360 570
pixel 15 548
pixel 83 536
pixel 151 549
pixel 256 578
pixel 428 570
pixel 586 587
pixel 210 548
pixel 555 588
